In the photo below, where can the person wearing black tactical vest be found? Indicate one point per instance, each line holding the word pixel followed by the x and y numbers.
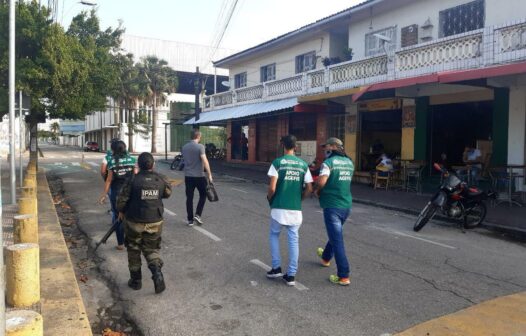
pixel 141 207
pixel 120 167
pixel 288 174
pixel 334 191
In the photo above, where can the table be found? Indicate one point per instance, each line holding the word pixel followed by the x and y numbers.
pixel 466 168
pixel 511 179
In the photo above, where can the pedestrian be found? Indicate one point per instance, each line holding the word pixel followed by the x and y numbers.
pixel 288 175
pixel 141 208
pixel 104 164
pixel 195 165
pixel 121 166
pixel 334 191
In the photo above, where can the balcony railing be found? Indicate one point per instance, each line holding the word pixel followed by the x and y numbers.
pixel 476 49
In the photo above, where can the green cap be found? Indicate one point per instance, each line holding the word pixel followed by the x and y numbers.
pixel 333 141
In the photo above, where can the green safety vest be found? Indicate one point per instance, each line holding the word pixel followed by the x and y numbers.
pixel 337 191
pixel 289 188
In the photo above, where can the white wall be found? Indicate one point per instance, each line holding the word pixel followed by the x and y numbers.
pixel 517 129
pixel 285 60
pixel 417 12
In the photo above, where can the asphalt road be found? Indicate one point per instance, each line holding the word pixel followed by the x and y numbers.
pixel 215 275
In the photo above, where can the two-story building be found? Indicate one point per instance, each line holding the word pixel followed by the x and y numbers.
pixel 418 78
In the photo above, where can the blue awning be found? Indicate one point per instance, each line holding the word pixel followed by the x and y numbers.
pixel 242 111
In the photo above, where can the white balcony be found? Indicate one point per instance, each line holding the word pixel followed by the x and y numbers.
pixel 486 47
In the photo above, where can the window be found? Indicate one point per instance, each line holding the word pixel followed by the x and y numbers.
pixel 268 72
pixel 306 62
pixel 375 46
pixel 240 80
pixel 463 18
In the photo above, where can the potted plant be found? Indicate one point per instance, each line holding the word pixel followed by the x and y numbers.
pixel 348 54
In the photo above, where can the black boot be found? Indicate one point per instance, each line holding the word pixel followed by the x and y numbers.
pixel 135 281
pixel 158 279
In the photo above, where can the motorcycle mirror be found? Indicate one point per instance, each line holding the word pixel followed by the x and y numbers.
pixel 437 167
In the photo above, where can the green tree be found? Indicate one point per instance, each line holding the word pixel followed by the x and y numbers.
pixel 55 130
pixel 156 78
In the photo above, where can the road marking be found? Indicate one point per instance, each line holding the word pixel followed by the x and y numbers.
pixel 58 163
pixel 267 268
pixel 206 233
pixel 77 164
pixel 93 164
pixel 171 213
pixel 319 211
pixel 245 192
pixel 398 233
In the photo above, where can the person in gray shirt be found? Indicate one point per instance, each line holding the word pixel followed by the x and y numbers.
pixel 195 165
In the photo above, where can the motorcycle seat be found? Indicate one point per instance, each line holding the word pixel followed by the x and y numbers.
pixel 475 192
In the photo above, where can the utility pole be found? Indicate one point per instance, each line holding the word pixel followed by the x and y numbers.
pixel 197 86
pixel 20 137
pixel 12 172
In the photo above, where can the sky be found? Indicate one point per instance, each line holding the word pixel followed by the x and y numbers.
pixel 194 21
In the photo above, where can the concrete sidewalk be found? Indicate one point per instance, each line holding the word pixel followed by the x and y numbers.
pixel 61 304
pixel 501 218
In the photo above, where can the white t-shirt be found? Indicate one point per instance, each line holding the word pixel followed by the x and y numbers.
pixel 474 155
pixel 283 216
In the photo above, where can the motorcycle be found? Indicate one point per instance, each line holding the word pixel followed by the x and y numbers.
pixel 177 163
pixel 455 199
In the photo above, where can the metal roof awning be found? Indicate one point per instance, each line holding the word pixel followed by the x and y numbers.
pixel 242 111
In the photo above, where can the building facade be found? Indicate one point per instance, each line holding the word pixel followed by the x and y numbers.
pixel 417 78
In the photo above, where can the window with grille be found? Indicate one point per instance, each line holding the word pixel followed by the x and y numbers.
pixel 375 46
pixel 240 80
pixel 337 126
pixel 306 62
pixel 463 18
pixel 268 72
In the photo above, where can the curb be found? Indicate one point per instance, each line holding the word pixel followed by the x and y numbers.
pixel 62 307
pixel 516 233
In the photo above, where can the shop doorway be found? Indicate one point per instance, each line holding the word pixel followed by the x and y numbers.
pixel 454 126
pixel 239 140
pixel 380 132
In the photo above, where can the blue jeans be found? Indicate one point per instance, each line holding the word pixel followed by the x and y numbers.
pixel 334 220
pixel 293 239
pixel 119 230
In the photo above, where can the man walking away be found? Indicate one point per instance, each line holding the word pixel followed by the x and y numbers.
pixel 334 190
pixel 195 163
pixel 287 175
pixel 140 206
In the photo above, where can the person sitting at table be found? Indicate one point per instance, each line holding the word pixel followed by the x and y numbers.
pixel 384 166
pixel 472 157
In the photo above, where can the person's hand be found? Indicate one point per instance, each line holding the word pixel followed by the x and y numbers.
pixel 121 216
pixel 102 199
pixel 210 178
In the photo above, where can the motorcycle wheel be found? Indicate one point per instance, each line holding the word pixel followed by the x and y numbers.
pixel 475 216
pixel 425 215
pixel 175 163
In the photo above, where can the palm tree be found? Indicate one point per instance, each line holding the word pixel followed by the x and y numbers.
pixel 156 78
pixel 129 92
pixel 55 129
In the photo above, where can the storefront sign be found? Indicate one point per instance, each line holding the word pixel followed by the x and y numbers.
pixel 408 117
pixel 381 105
pixel 306 150
pixel 351 124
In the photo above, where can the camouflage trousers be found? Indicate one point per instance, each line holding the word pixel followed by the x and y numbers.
pixel 145 238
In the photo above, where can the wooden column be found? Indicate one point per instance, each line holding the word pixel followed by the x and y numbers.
pixel 252 141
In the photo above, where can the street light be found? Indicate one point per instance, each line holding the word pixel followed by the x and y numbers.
pixel 88 3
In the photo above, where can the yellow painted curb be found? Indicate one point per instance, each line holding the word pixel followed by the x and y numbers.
pixel 24 323
pixel 22 275
pixel 25 229
pixel 28 206
pixel 504 316
pixel 27 191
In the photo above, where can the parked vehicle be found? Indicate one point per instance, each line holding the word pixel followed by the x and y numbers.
pixel 177 163
pixel 457 200
pixel 91 146
pixel 212 152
